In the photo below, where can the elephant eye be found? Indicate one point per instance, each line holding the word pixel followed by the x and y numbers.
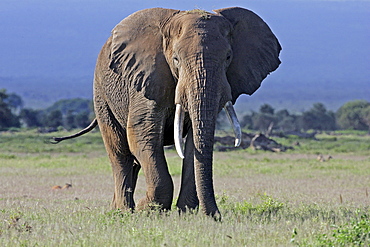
pixel 228 58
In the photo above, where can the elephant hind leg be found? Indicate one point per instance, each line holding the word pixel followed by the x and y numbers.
pixel 125 170
pixel 125 184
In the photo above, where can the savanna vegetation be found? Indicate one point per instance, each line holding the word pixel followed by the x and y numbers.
pixel 316 194
pixel 77 113
pixel 267 199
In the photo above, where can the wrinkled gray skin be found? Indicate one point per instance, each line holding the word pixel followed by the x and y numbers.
pixel 156 58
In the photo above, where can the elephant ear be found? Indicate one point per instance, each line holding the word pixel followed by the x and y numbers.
pixel 255 48
pixel 137 52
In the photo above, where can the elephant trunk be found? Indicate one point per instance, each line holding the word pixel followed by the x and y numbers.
pixel 203 91
pixel 203 113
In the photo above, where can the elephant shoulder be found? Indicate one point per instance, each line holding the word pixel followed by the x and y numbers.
pixel 138 38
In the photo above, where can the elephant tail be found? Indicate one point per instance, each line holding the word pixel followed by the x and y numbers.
pixel 92 125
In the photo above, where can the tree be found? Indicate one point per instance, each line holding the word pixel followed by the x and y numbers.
pixel 31 118
pixel 69 120
pixel 286 121
pixel 353 115
pixel 267 109
pixel 74 106
pixel 318 118
pixel 366 116
pixel 246 122
pixel 53 119
pixel 14 102
pixel 7 118
pixel 263 120
pixel 74 113
pixel 82 120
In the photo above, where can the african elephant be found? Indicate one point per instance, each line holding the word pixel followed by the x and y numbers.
pixel 163 76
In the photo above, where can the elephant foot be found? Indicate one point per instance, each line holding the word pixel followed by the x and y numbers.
pixel 217 216
pixel 122 205
pixel 187 210
pixel 146 204
pixel 184 207
pixel 150 204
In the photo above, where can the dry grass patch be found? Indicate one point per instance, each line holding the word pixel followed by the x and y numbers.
pixel 266 200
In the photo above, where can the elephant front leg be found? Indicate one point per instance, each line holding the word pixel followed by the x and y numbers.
pixel 188 198
pixel 146 144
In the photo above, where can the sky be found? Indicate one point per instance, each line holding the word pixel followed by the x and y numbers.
pixel 322 40
pixel 66 36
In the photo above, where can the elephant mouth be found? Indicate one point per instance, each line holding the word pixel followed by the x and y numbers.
pixel 179 125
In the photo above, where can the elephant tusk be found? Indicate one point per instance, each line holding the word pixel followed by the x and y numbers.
pixel 178 128
pixel 230 112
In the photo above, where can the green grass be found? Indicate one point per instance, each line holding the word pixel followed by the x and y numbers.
pixel 352 143
pixel 31 142
pixel 269 222
pixel 266 199
pixel 357 232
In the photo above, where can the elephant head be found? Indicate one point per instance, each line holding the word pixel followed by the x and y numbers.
pixel 194 63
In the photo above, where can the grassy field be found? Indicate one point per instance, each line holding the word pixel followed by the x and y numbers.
pixel 266 199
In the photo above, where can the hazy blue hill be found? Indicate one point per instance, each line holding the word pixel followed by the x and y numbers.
pixel 49 48
pixel 41 92
pixel 301 95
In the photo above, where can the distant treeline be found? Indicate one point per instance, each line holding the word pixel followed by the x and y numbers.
pixel 68 113
pixel 77 113
pixel 353 115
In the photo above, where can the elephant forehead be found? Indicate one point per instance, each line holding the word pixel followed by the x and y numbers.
pixel 200 24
